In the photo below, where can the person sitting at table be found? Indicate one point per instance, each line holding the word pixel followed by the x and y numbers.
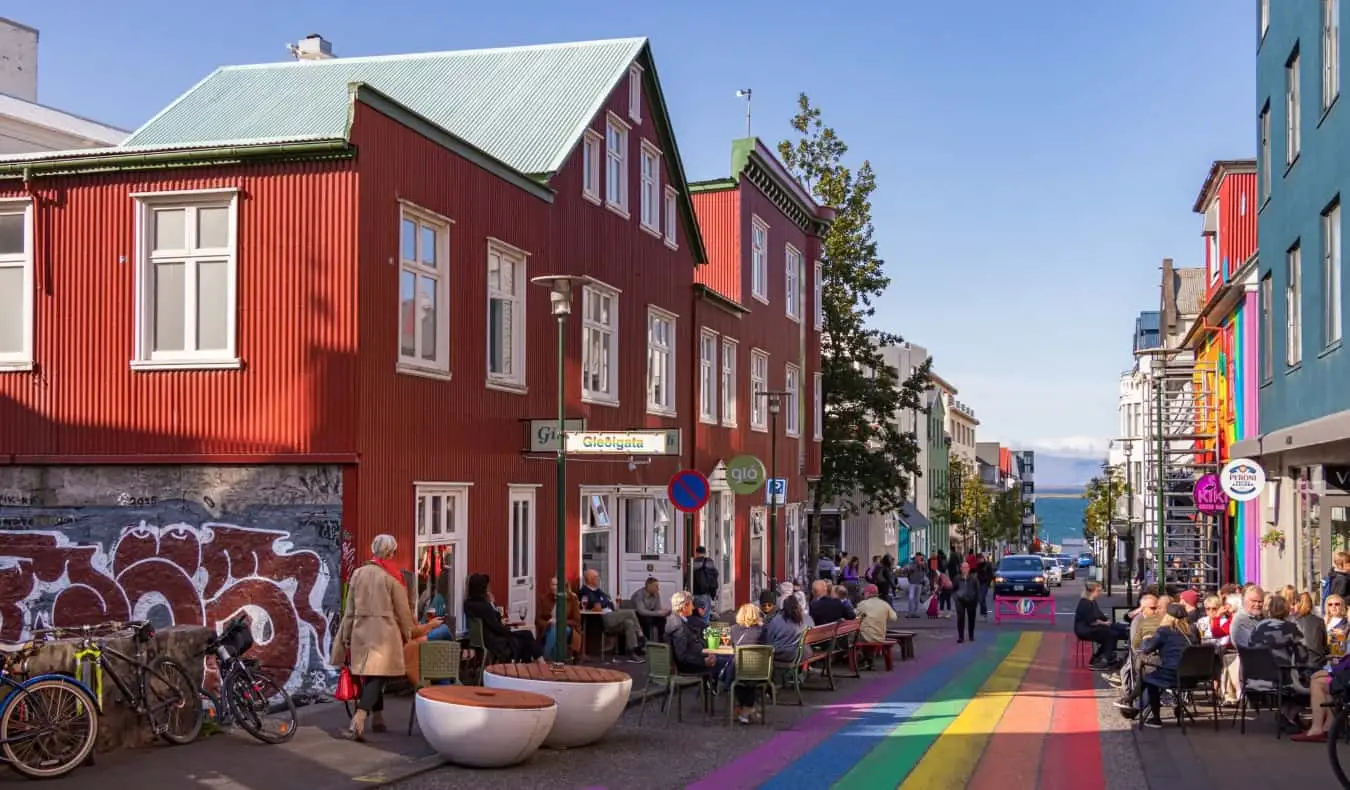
pixel 543 622
pixel 651 610
pixel 500 641
pixel 1319 685
pixel 622 623
pixel 1090 624
pixel 784 632
pixel 749 627
pixel 825 607
pixel 768 605
pixel 684 634
pixel 1277 633
pixel 1169 642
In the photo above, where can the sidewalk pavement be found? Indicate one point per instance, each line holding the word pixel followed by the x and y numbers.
pixel 317 758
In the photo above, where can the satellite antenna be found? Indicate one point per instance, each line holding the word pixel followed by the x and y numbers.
pixel 747 94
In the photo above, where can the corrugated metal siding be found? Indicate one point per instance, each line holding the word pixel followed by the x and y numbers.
pixel 719 219
pixel 458 430
pixel 296 334
pixel 1237 222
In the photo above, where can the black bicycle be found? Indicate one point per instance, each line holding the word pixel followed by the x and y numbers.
pixel 158 688
pixel 48 723
pixel 248 697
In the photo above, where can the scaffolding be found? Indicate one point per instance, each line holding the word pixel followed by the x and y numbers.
pixel 1181 433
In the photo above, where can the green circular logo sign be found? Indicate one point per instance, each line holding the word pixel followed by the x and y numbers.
pixel 745 474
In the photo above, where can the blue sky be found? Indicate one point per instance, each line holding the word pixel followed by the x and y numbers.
pixel 1036 160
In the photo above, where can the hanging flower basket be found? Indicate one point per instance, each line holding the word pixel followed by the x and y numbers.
pixel 1273 537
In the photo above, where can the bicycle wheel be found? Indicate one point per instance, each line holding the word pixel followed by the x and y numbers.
pixel 172 702
pixel 48 728
pixel 261 706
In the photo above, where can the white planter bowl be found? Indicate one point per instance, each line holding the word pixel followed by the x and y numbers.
pixel 586 711
pixel 484 728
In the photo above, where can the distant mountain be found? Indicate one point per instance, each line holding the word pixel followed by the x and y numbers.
pixel 1065 471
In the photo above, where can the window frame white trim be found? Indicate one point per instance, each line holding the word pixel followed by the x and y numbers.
pixel 1333 319
pixel 414 366
pixel 516 382
pixel 670 409
pixel 670 209
pixel 818 296
pixel 592 165
pixel 608 397
pixel 728 380
pixel 792 410
pixel 22 360
pixel 1263 121
pixel 758 402
pixel 458 537
pixel 793 265
pixel 144 357
pixel 709 376
pixel 759 265
pixel 1264 16
pixel 1293 107
pixel 818 407
pixel 620 206
pixel 1293 307
pixel 1331 52
pixel 635 93
pixel 645 150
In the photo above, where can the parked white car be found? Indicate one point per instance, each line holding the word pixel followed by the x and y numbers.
pixel 1054 576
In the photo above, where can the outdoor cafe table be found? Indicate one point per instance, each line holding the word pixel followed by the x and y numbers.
pixel 590 699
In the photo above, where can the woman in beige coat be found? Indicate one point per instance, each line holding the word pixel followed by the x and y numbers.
pixel 376 623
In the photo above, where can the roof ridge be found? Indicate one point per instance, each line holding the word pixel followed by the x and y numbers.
pixel 336 61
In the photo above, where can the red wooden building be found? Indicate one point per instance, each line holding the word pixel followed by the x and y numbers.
pixel 293 312
pixel 1228 203
pixel 757 341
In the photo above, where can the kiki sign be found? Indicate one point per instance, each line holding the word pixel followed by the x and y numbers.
pixel 1209 495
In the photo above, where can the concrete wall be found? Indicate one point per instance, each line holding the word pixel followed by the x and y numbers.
pixel 18 60
pixel 185 545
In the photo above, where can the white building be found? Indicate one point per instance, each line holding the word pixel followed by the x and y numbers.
pixel 27 126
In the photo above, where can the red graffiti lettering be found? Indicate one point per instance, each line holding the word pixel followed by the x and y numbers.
pixel 195 575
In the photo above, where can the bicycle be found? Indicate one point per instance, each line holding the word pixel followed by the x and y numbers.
pixel 53 716
pixel 158 689
pixel 246 695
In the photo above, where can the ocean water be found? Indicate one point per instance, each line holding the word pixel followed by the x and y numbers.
pixel 1060 518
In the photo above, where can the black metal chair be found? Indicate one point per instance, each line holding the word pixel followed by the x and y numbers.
pixel 1265 684
pixel 1194 673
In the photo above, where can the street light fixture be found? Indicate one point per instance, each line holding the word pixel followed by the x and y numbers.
pixel 775 403
pixel 560 307
pixel 1128 533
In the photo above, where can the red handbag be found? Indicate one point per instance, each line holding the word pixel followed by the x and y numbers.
pixel 348 689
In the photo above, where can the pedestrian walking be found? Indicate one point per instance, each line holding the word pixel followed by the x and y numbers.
pixel 967 594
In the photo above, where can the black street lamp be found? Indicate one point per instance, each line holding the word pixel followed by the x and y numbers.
pixel 560 303
pixel 1128 532
pixel 775 404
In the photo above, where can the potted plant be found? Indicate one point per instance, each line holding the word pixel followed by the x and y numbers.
pixel 1273 537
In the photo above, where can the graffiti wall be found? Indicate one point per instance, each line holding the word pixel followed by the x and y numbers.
pixel 178 545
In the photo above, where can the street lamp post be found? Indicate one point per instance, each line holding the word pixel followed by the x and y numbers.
pixel 560 303
pixel 1129 523
pixel 775 404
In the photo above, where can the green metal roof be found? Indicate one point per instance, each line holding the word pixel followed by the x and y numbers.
pixel 525 106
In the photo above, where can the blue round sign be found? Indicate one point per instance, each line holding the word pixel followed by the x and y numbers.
pixel 688 490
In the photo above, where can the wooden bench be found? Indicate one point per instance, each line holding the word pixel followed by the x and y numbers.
pixel 906 641
pixel 814 648
pixel 869 650
pixel 846 644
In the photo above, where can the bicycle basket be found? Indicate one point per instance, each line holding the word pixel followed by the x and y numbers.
pixel 237 638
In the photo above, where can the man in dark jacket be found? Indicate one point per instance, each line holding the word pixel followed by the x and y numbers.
pixel 825 607
pixel 684 632
pixel 706 579
pixel 966 592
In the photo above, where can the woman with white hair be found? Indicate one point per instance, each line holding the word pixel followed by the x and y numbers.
pixel 376 622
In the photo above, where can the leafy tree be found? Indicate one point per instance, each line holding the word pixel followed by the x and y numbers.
pixel 967 500
pixel 866 460
pixel 1005 521
pixel 1102 494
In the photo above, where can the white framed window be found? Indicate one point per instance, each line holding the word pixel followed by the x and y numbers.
pixel 660 361
pixel 1267 327
pixel 592 153
pixel 616 165
pixel 441 524
pixel 1331 51
pixel 1293 107
pixel 792 403
pixel 187 297
pixel 1331 274
pixel 759 259
pixel 506 316
pixel 423 293
pixel 599 345
pixel 729 400
pixel 792 279
pixel 16 284
pixel 818 407
pixel 818 296
pixel 1293 323
pixel 1265 153
pixel 650 210
pixel 635 93
pixel 1265 17
pixel 759 384
pixel 707 376
pixel 672 215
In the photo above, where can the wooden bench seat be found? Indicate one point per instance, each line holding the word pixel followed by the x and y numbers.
pixel 846 644
pixel 884 648
pixel 816 647
pixel 906 641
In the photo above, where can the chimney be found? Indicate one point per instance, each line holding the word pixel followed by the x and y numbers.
pixel 313 47
pixel 18 60
pixel 1169 298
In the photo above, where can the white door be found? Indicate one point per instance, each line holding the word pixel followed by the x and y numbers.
pixel 597 537
pixel 652 536
pixel 520 605
pixel 723 547
pixel 759 550
pixel 793 535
